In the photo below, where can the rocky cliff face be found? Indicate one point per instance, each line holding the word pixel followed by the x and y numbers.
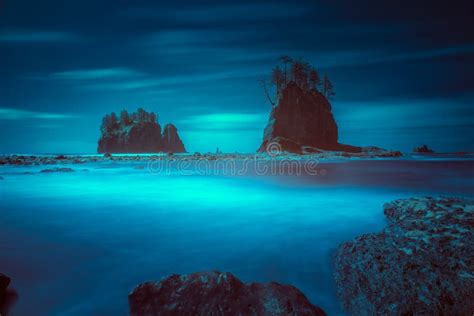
pixel 216 293
pixel 422 263
pixel 302 118
pixel 171 141
pixel 137 133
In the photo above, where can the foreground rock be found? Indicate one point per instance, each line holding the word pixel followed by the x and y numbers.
pixel 137 133
pixel 216 293
pixel 423 150
pixel 422 263
pixel 7 296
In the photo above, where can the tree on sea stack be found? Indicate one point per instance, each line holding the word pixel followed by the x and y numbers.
pixel 285 60
pixel 328 88
pixel 301 74
pixel 278 79
pixel 314 79
pixel 125 118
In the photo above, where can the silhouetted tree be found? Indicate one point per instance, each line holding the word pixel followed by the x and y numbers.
pixel 285 60
pixel 302 74
pixel 125 118
pixel 299 75
pixel 109 123
pixel 314 79
pixel 113 120
pixel 152 117
pixel 142 115
pixel 265 90
pixel 105 122
pixel 328 88
pixel 278 80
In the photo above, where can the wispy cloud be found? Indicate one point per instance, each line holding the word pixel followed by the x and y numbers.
pixel 225 121
pixel 426 54
pixel 17 114
pixel 101 73
pixel 367 57
pixel 25 36
pixel 164 81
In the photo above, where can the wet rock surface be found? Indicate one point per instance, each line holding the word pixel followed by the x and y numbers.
pixel 7 296
pixel 216 293
pixel 57 170
pixel 307 153
pixel 422 263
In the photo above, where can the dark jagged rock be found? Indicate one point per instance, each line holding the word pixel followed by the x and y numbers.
pixel 423 150
pixel 57 170
pixel 133 133
pixel 4 282
pixel 7 296
pixel 171 141
pixel 422 263
pixel 216 293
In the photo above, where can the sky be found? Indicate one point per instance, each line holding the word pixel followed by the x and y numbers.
pixel 403 71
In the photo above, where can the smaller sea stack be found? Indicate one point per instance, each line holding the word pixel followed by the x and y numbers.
pixel 137 132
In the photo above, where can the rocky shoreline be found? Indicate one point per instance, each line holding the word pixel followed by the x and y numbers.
pixel 217 293
pixel 81 159
pixel 422 263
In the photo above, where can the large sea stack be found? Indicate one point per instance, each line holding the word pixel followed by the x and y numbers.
pixel 301 118
pixel 137 132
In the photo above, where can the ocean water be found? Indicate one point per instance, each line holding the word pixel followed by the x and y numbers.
pixel 77 243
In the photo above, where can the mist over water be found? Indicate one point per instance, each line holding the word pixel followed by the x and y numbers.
pixel 77 243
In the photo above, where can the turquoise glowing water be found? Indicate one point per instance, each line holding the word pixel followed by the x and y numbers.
pixel 77 243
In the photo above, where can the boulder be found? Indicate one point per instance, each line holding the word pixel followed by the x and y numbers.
pixel 423 149
pixel 422 263
pixel 216 293
pixel 7 296
pixel 4 282
pixel 57 170
pixel 171 141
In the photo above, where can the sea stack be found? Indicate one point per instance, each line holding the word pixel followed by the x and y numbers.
pixel 301 119
pixel 137 132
